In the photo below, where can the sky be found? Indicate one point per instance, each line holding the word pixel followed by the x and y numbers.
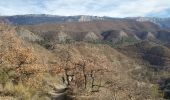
pixel 112 8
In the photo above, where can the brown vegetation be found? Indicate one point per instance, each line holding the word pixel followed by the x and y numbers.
pixel 79 69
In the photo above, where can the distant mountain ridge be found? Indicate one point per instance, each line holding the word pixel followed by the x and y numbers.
pixel 32 19
pixel 162 22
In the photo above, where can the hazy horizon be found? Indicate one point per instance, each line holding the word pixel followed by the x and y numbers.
pixel 83 15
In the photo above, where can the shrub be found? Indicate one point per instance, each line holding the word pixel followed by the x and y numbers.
pixel 3 76
pixel 19 91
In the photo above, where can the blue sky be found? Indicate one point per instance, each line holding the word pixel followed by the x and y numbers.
pixel 113 8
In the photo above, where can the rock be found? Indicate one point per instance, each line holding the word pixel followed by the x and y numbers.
pixel 91 36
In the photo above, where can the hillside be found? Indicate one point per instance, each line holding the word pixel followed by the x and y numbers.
pixel 162 22
pixel 97 26
pixel 79 31
pixel 80 69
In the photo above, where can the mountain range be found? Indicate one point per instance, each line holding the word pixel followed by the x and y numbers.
pixel 43 18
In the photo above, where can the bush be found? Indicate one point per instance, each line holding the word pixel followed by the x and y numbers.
pixel 3 76
pixel 156 93
pixel 19 91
